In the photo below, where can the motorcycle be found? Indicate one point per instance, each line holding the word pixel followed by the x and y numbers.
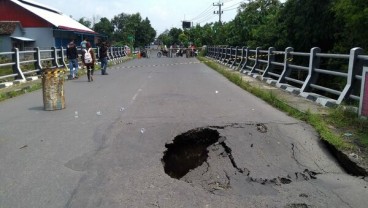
pixel 162 53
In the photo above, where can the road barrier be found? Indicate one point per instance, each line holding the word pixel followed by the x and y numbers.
pixel 20 66
pixel 328 79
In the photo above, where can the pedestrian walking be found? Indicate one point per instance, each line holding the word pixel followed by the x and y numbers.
pixel 103 58
pixel 89 59
pixel 72 55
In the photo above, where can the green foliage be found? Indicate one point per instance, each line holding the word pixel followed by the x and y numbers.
pixel 308 24
pixel 352 18
pixel 131 29
pixel 258 23
pixel 84 21
pixel 105 27
pixel 183 39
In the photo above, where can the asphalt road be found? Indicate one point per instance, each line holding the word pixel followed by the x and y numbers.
pixel 111 154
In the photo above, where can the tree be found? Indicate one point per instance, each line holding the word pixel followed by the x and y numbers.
pixel 132 30
pixel 352 21
pixel 105 27
pixel 256 24
pixel 145 34
pixel 183 39
pixel 84 21
pixel 174 34
pixel 308 23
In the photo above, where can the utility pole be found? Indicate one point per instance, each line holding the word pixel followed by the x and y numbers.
pixel 219 12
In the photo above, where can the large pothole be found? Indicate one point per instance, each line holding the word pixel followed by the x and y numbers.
pixel 234 159
pixel 188 151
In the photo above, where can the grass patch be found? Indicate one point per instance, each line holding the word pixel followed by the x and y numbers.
pixel 20 91
pixel 319 122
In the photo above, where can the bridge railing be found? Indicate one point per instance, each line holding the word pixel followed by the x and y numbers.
pixel 328 79
pixel 19 66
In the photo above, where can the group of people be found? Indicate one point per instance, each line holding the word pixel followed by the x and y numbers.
pixel 88 58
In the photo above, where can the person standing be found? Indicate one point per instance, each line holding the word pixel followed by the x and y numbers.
pixel 83 46
pixel 89 59
pixel 103 58
pixel 72 55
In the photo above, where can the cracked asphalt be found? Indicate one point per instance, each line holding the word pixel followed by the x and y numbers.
pixel 111 155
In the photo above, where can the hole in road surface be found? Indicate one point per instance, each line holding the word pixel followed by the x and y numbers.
pixel 188 151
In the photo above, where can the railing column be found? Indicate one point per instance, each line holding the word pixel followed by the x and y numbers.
pixel 63 56
pixel 217 52
pixel 54 57
pixel 118 52
pixel 223 54
pixel 271 58
pixel 244 67
pixel 111 54
pixel 241 58
pixel 355 68
pixel 256 62
pixel 314 62
pixel 229 55
pixel 235 57
pixel 98 52
pixel 37 57
pixel 287 70
pixel 16 66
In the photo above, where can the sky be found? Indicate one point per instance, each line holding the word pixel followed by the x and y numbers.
pixel 163 14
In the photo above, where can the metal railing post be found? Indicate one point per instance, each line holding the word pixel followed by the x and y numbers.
pixel 271 58
pixel 246 60
pixel 235 57
pixel 241 58
pixel 217 52
pixel 54 57
pixel 16 66
pixel 286 72
pixel 355 68
pixel 63 56
pixel 314 62
pixel 256 62
pixel 223 55
pixel 229 55
pixel 37 57
pixel 98 52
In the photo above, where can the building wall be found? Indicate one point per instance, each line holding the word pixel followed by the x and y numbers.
pixel 12 12
pixel 34 27
pixel 5 43
pixel 43 36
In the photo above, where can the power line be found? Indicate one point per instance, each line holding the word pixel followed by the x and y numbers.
pixel 232 6
pixel 210 17
pixel 202 13
pixel 205 18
